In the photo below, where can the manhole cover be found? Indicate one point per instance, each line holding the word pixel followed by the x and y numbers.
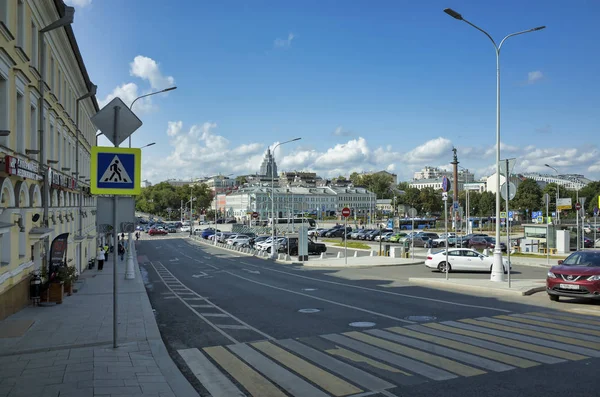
pixel 420 318
pixel 309 310
pixel 309 289
pixel 362 324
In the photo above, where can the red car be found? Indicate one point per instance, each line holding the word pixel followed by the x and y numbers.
pixel 578 276
pixel 157 232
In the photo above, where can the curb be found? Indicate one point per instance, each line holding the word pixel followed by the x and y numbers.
pixel 178 383
pixel 443 284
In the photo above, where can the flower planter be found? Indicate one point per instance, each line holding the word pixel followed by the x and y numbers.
pixel 56 292
pixel 69 288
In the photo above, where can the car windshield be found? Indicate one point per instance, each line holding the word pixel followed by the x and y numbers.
pixel 587 259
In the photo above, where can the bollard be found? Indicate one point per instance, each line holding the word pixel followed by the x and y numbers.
pixel 356 254
pixel 429 251
pixel 486 252
pixel 339 255
pixel 287 258
pixel 372 253
pixel 322 255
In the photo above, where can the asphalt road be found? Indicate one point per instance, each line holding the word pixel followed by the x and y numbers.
pixel 235 326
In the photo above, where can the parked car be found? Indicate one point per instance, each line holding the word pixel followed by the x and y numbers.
pixel 578 276
pixel 440 241
pixel 355 233
pixel 464 240
pixel 462 259
pixel 395 238
pixel 238 239
pixel 185 228
pixel 172 229
pixel 313 248
pixel 421 241
pixel 384 237
pixel 483 242
pixel 361 235
pixel 157 232
pixel 206 233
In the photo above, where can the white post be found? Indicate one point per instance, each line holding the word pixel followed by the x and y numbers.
pixel 446 231
pixel 346 242
pixel 547 197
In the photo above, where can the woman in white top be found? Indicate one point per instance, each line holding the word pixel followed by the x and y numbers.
pixel 100 257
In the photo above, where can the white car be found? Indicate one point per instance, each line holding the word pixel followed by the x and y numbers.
pixel 461 259
pixel 441 241
pixel 384 237
pixel 266 245
pixel 185 228
pixel 238 239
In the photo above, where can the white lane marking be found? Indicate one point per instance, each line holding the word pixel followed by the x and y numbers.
pixel 202 274
pixel 324 300
pixel 217 384
pixel 379 291
pixel 200 297
pixel 252 271
pixel 231 326
pixel 214 314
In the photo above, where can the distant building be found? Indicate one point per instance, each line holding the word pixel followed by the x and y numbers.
pixel 219 183
pixel 178 182
pixel 268 168
pixel 432 177
pixel 568 181
pixel 296 178
pixel 435 183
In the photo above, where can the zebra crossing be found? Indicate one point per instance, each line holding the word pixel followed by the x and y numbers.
pixel 375 361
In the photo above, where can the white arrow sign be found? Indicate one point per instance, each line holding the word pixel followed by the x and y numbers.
pixel 252 271
pixel 174 260
pixel 199 275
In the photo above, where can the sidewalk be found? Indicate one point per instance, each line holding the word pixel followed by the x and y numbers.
pixel 68 350
pixel 518 287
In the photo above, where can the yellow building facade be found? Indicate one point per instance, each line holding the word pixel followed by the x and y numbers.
pixel 38 150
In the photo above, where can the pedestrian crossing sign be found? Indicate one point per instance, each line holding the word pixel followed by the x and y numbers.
pixel 115 171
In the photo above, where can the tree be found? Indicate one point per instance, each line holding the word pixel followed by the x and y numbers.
pixel 240 180
pixel 156 199
pixel 431 200
pixel 486 204
pixel 528 197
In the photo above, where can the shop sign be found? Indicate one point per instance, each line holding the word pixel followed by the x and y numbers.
pixel 60 181
pixel 22 168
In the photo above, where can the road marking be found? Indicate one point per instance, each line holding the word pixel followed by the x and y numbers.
pixel 231 326
pixel 399 361
pixel 442 351
pixel 202 306
pixel 564 325
pixel 357 358
pixel 379 291
pixel 440 339
pixel 284 378
pixel 440 362
pixel 217 384
pixel 525 324
pixel 324 300
pixel 323 379
pixel 474 337
pixel 251 380
pixel 537 334
pixel 207 321
pixel 174 260
pixel 252 271
pixel 202 274
pixel 535 344
pixel 357 376
pixel 580 319
pixel 214 315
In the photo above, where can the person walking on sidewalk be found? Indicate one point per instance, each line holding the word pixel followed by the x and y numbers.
pixel 101 258
pixel 121 250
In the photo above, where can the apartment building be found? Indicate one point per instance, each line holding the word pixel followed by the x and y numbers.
pixel 41 148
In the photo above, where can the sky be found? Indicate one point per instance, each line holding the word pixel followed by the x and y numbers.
pixel 366 85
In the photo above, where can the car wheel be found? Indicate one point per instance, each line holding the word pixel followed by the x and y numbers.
pixel 269 250
pixel 442 267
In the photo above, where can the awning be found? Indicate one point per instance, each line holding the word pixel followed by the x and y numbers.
pixel 79 238
pixel 4 226
pixel 90 236
pixel 40 232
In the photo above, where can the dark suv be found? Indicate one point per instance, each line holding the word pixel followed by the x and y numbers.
pixel 313 248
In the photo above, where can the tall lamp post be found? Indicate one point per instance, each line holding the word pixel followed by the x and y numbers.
pixel 65 20
pixel 557 193
pixel 273 253
pixel 216 204
pixel 497 267
pixel 129 269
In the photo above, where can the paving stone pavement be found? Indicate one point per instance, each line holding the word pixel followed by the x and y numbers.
pixel 68 351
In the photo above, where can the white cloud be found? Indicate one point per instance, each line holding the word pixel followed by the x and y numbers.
pixel 284 43
pixel 340 131
pixel 147 69
pixel 534 76
pixel 173 127
pixel 429 151
pixel 78 3
pixel 128 92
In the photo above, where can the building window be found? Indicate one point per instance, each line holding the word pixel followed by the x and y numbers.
pixel 33 140
pixel 5 249
pixel 4 119
pixel 20 24
pixel 4 11
pixel 34 46
pixel 50 147
pixel 59 85
pixel 52 71
pixel 20 123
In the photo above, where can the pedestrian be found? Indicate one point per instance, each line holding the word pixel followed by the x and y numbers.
pixel 316 234
pixel 137 236
pixel 121 251
pixel 106 251
pixel 100 255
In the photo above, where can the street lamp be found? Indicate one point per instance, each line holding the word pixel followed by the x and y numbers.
pixel 557 193
pixel 220 177
pixel 273 253
pixel 497 267
pixel 143 96
pixel 150 144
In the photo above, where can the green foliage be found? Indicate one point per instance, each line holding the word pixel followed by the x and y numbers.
pixel 380 183
pixel 528 197
pixel 240 180
pixel 156 199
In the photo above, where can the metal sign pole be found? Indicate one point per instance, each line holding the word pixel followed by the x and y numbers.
pixel 446 231
pixel 115 241
pixel 412 239
pixel 547 232
pixel 346 242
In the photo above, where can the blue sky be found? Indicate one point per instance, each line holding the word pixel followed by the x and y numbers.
pixel 367 85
